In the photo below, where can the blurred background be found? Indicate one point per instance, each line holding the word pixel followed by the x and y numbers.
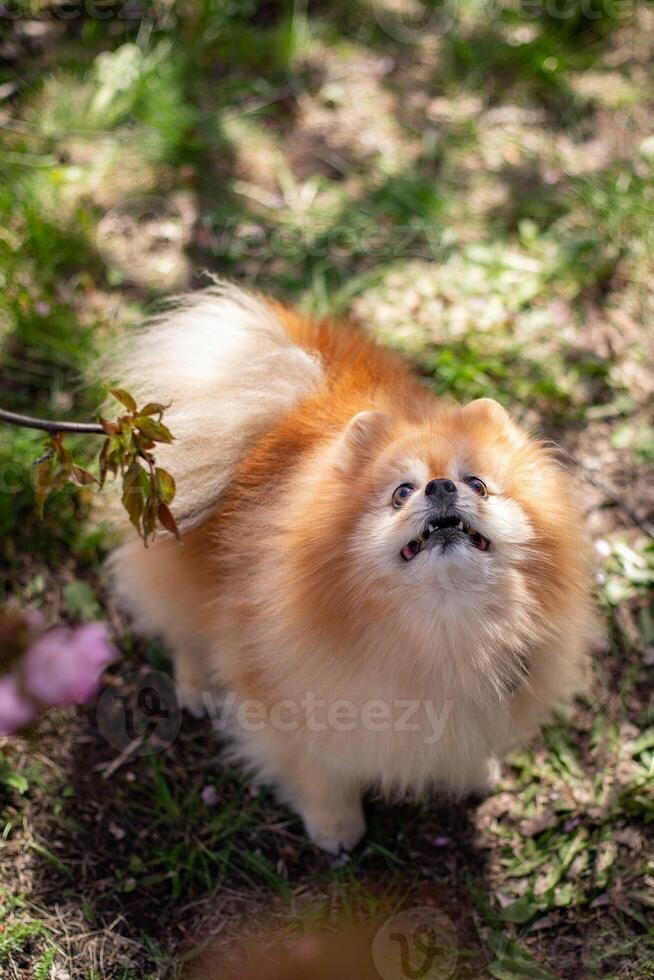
pixel 471 181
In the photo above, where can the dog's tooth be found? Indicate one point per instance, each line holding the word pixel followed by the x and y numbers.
pixel 431 528
pixel 460 525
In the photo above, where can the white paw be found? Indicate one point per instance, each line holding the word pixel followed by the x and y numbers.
pixel 191 700
pixel 335 831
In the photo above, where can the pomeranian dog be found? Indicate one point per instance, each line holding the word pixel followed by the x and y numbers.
pixel 376 588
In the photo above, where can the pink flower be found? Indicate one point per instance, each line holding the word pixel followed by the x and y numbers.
pixel 65 666
pixel 209 796
pixel 15 710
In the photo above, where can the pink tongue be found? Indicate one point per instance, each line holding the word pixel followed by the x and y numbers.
pixel 409 551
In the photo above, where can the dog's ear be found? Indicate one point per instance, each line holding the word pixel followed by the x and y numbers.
pixel 493 416
pixel 361 438
pixel 489 409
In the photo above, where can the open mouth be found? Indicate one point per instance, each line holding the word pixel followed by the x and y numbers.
pixel 444 529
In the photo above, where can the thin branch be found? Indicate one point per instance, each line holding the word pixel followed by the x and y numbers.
pixel 46 425
pixel 646 526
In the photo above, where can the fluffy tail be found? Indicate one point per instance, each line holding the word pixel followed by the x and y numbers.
pixel 224 362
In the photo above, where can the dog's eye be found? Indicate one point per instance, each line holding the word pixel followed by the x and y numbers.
pixel 402 493
pixel 477 485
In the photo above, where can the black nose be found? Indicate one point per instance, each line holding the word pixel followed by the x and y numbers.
pixel 440 489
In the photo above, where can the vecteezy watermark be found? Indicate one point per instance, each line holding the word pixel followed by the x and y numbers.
pixel 145 236
pixel 410 21
pixel 311 713
pixel 414 21
pixel 417 944
pixel 140 715
pixel 419 238
pixel 407 21
pixel 160 15
pixel 588 9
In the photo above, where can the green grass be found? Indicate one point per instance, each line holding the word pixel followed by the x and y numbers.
pixel 480 199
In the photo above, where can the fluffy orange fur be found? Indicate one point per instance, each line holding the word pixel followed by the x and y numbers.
pixel 295 594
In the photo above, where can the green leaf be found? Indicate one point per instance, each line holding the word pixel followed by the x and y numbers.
pixel 572 846
pixel 14 780
pixel 165 485
pixel 522 910
pixel 646 741
pixel 43 969
pixel 518 970
pixel 125 431
pixel 151 429
pixel 513 961
pixel 124 398
pixel 136 489
pixel 154 408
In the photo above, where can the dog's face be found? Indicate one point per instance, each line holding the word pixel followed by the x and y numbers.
pixel 465 503
pixel 461 521
pixel 442 503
